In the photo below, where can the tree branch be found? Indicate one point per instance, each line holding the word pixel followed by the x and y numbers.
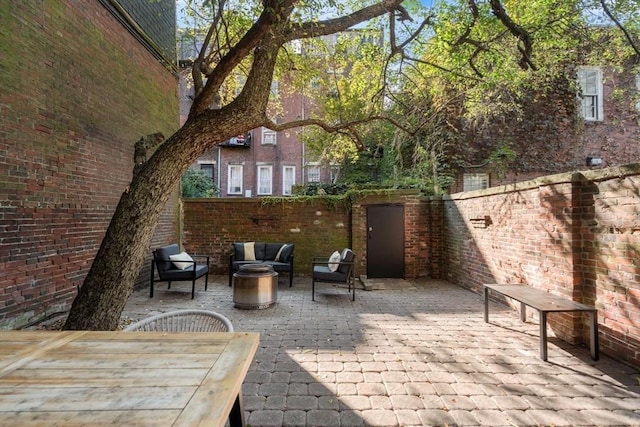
pixel 330 26
pixel 523 36
pixel 346 128
pixel 273 11
pixel 608 12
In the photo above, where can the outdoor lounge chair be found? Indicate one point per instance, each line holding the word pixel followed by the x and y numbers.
pixel 183 321
pixel 176 266
pixel 323 271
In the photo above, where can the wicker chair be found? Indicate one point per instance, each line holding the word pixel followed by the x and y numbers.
pixel 184 321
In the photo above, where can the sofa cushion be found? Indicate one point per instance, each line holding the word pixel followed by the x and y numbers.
pixel 250 251
pixel 284 253
pixel 247 251
pixel 259 248
pixel 271 250
pixel 279 266
pixel 162 256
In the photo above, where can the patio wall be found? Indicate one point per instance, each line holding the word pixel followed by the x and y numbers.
pixel 577 235
pixel 77 92
pixel 317 227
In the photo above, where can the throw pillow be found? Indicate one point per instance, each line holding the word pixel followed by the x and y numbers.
pixel 250 251
pixel 334 261
pixel 283 253
pixel 181 260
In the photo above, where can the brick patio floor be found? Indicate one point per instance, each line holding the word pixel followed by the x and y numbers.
pixel 410 353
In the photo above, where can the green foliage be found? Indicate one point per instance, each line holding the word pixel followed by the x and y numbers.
pixel 318 189
pixel 196 183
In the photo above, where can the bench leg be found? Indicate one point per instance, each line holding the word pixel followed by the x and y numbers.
pixel 523 312
pixel 486 305
pixel 595 352
pixel 543 335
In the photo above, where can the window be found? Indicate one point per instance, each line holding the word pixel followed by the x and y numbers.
pixel 475 181
pixel 288 179
pixel 235 179
pixel 313 173
pixel 268 137
pixel 265 176
pixel 590 83
pixel 208 168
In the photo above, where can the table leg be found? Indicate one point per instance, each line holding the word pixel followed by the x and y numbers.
pixel 543 335
pixel 595 348
pixel 486 305
pixel 236 416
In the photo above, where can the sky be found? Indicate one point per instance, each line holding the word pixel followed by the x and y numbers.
pixel 180 4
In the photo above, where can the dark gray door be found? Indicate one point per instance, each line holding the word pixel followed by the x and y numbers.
pixel 385 241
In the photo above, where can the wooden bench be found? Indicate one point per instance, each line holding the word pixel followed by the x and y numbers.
pixel 545 303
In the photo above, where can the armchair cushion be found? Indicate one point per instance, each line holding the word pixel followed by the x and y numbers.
pixel 181 261
pixel 324 274
pixel 346 261
pixel 162 256
pixel 334 261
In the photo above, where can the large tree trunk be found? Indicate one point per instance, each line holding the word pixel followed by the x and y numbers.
pixel 110 280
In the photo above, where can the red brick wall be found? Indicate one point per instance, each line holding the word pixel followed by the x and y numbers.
pixel 77 92
pixel 317 227
pixel 575 235
pixel 210 226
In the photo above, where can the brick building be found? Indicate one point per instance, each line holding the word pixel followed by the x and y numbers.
pixel 264 162
pixel 81 82
pixel 562 131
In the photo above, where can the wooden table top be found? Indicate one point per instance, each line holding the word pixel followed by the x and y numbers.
pixel 73 378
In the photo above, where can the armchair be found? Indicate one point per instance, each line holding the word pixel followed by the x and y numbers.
pixel 344 273
pixel 167 259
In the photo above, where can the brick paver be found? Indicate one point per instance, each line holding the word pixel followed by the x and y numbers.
pixel 418 353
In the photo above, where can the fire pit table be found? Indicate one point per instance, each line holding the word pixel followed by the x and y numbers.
pixel 255 286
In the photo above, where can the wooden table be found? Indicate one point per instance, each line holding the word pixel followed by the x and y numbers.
pixel 543 302
pixel 74 378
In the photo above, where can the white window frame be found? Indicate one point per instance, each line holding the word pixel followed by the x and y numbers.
pixel 313 173
pixel 475 181
pixel 264 176
pixel 235 178
pixel 288 180
pixel 269 137
pixel 591 93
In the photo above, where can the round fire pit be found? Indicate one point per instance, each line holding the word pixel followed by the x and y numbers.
pixel 255 286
